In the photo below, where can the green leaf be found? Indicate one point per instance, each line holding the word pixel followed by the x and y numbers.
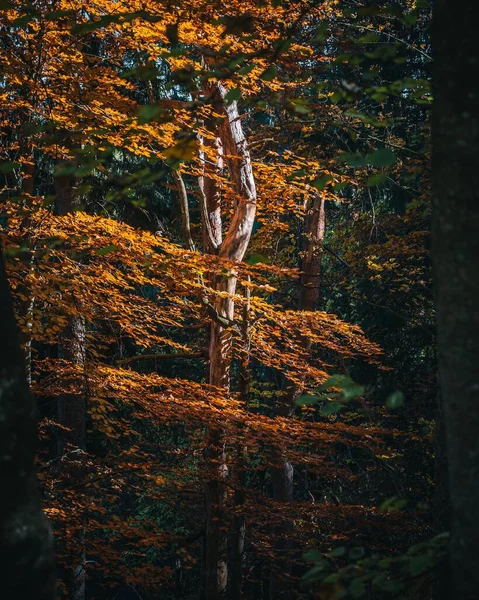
pixel 105 250
pixel 313 574
pixel 246 69
pixel 395 400
pixel 376 180
pixel 233 95
pixel 353 160
pixel 148 113
pixel 299 106
pixel 349 389
pixel 331 408
pixel 22 21
pixel 337 552
pixel 352 390
pixel 392 504
pixel 307 400
pixel 322 182
pixel 357 588
pixel 419 564
pixel 368 38
pixel 256 258
pixel 382 158
pixel 8 167
pixel 313 556
pixel 322 31
pixel 337 381
pixel 269 74
pixel 356 553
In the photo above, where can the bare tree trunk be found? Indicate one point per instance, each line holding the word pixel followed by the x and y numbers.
pixel 26 556
pixel 232 142
pixel 282 476
pixel 455 261
pixel 72 407
pixel 28 305
pixel 238 530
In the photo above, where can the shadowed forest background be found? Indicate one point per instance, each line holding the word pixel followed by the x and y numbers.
pixel 216 229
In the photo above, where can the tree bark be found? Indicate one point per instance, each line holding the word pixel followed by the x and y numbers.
pixel 71 407
pixel 456 273
pixel 231 143
pixel 238 529
pixel 282 476
pixel 28 172
pixel 26 556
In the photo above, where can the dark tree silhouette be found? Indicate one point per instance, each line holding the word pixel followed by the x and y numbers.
pixel 456 257
pixel 26 558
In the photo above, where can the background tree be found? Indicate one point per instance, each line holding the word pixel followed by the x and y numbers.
pixel 26 549
pixel 161 103
pixel 456 255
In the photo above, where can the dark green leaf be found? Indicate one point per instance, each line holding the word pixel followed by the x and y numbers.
pixel 313 556
pixel 395 400
pixel 307 400
pixel 257 258
pixel 356 588
pixel 8 167
pixel 322 182
pixel 269 74
pixel 331 408
pixel 356 553
pixel 233 95
pixel 376 180
pixel 382 158
pixel 105 250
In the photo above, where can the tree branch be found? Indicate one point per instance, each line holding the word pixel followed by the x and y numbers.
pixel 185 213
pixel 126 361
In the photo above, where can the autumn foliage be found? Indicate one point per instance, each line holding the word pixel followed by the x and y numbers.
pixel 162 163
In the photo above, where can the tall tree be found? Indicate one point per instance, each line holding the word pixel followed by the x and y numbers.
pixel 233 247
pixel 26 557
pixel 456 259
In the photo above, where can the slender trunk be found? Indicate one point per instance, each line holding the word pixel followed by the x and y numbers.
pixel 238 530
pixel 309 295
pixel 28 171
pixel 72 407
pixel 282 476
pixel 455 254
pixel 26 557
pixel 185 211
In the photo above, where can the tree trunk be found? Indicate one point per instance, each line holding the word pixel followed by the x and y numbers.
pixel 238 529
pixel 456 279
pixel 232 142
pixel 72 407
pixel 282 476
pixel 26 557
pixel 28 172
